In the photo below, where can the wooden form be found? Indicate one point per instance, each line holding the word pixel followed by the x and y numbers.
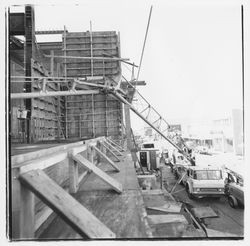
pixel 50 114
pixel 79 218
pixel 91 116
pixel 101 52
pixel 44 160
pixel 91 45
pixel 41 119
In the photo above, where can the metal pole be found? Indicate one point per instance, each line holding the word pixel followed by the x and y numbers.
pixel 146 34
pixel 243 79
pixel 89 58
pixel 52 93
pixel 91 50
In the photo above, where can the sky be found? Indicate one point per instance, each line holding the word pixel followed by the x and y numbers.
pixel 192 57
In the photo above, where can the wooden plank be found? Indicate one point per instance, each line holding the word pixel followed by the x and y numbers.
pixel 70 210
pixel 114 143
pixel 170 207
pixel 215 233
pixel 17 159
pixel 204 212
pixel 107 159
pixel 114 148
pixel 42 162
pixel 110 151
pixel 42 216
pixel 27 214
pixel 82 176
pixel 78 149
pixel 165 219
pixel 73 176
pixel 102 175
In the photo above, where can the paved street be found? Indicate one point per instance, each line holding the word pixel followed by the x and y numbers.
pixel 229 220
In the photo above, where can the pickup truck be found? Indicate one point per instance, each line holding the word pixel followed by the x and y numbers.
pixel 204 182
pixel 234 189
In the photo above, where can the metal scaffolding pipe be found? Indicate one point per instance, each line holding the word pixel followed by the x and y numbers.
pixel 52 93
pixel 90 58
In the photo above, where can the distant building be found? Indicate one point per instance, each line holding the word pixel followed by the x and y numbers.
pixel 224 134
pixel 238 134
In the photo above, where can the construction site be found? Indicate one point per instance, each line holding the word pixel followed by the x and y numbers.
pixel 76 168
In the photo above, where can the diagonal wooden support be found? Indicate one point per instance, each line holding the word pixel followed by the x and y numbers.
pixel 69 209
pixel 101 174
pixel 110 151
pixel 115 144
pixel 106 158
pixel 112 147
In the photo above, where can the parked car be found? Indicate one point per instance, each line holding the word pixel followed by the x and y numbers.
pixel 179 170
pixel 234 189
pixel 204 181
pixel 204 150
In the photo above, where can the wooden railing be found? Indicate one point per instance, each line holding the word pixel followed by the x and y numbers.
pixel 28 170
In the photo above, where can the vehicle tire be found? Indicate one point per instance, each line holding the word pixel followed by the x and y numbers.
pixel 232 201
pixel 188 192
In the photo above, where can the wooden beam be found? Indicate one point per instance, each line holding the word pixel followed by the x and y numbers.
pixel 112 142
pixel 17 160
pixel 110 151
pixel 70 210
pixel 42 216
pixel 107 159
pixel 78 149
pixel 27 214
pixel 128 127
pixel 114 148
pixel 82 176
pixel 42 162
pixel 101 174
pixel 15 204
pixel 73 176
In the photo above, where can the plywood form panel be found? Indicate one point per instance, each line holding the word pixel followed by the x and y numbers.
pixel 106 116
pixel 79 44
pixel 46 112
